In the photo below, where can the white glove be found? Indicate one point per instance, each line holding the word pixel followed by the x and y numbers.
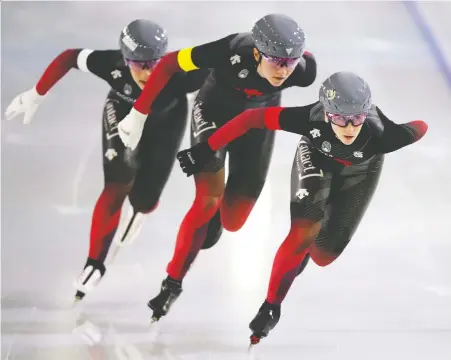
pixel 131 128
pixel 26 103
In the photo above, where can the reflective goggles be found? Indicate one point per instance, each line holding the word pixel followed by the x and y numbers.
pixel 279 61
pixel 344 120
pixel 142 65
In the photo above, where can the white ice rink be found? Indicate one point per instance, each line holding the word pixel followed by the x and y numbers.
pixel 387 297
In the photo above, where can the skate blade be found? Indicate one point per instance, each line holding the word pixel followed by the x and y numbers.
pixel 131 231
pixel 76 301
pixel 154 319
pixel 251 352
pixel 115 252
pixel 156 315
pixel 153 333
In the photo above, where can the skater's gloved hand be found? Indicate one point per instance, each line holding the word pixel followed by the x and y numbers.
pixel 25 103
pixel 131 128
pixel 194 159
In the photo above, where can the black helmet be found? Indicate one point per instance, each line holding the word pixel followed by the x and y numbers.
pixel 279 35
pixel 143 40
pixel 345 93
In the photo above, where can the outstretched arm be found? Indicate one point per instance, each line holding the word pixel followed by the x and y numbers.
pixel 193 160
pixel 294 119
pixel 97 62
pixel 397 136
pixel 28 102
pixel 290 119
pixel 56 70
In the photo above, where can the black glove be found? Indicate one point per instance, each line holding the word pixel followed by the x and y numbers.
pixel 194 159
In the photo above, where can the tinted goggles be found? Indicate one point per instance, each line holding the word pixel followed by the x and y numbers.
pixel 142 65
pixel 279 61
pixel 343 120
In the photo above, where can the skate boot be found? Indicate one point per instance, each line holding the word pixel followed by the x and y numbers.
pixel 170 291
pixel 267 318
pixel 90 277
pixel 128 230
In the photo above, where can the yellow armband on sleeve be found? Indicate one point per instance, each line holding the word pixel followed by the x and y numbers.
pixel 185 61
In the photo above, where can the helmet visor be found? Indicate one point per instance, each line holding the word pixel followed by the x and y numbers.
pixel 142 65
pixel 279 61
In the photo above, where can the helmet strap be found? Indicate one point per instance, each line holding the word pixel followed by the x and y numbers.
pixel 260 58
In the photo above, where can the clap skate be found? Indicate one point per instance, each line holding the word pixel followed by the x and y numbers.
pixel 266 319
pixel 128 230
pixel 170 291
pixel 90 277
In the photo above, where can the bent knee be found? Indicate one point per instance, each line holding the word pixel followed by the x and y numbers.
pixel 328 248
pixel 144 207
pixel 122 189
pixel 235 211
pixel 233 225
pixel 209 191
pixel 144 200
pixel 321 257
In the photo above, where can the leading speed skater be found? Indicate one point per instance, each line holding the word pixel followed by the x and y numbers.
pixel 344 138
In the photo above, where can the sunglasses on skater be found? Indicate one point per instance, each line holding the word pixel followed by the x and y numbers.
pixel 344 120
pixel 279 61
pixel 142 65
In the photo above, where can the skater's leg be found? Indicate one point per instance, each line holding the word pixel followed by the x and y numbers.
pixel 119 168
pixel 160 143
pixel 250 156
pixel 105 219
pixel 157 156
pixel 194 227
pixel 249 162
pixel 350 193
pixel 310 188
pixel 209 191
pixel 309 193
pixel 347 205
pixel 192 232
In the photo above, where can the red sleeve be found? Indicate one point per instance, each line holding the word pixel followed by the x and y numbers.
pixel 158 79
pixel 419 129
pixel 253 118
pixel 272 118
pixel 57 69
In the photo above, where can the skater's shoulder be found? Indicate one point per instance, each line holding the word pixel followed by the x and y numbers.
pixel 298 119
pixel 107 57
pixel 375 121
pixel 307 112
pixel 240 46
pixel 241 42
pixel 106 64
